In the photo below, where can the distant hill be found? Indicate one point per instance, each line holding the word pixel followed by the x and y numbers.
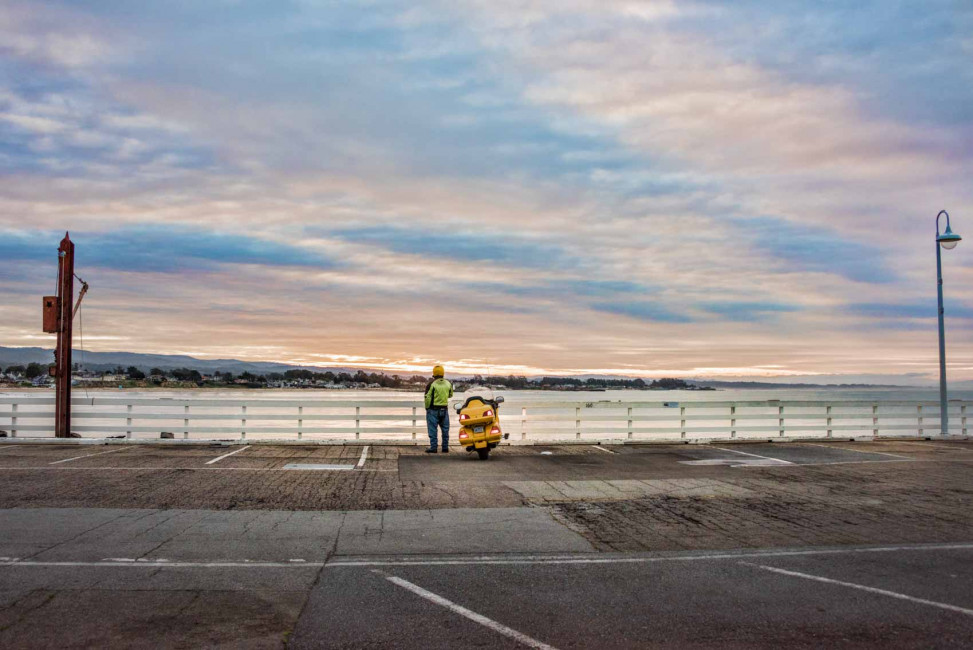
pixel 762 384
pixel 98 361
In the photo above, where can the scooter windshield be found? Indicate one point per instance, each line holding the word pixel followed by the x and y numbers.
pixel 483 392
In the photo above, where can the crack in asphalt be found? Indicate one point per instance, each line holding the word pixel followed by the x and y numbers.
pixel 317 580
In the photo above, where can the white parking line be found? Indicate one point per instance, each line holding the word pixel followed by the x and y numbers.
pixel 857 451
pixel 578 558
pixel 100 453
pixel 218 564
pixel 364 457
pixel 776 460
pixel 216 460
pixel 586 558
pixel 873 590
pixel 166 469
pixel 462 611
pixel 600 448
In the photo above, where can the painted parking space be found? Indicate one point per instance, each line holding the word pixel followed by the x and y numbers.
pixel 772 454
pixel 192 457
pixel 817 453
pixel 33 455
pixel 280 457
pixel 626 462
pixel 507 463
pixel 893 597
pixel 532 464
pixel 878 596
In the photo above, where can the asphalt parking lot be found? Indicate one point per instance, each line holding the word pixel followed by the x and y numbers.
pixel 848 544
pixel 906 596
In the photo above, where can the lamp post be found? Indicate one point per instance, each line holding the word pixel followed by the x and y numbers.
pixel 947 240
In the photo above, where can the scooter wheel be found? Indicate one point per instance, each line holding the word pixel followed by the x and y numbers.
pixel 483 453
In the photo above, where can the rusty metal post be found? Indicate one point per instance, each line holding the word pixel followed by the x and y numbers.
pixel 62 354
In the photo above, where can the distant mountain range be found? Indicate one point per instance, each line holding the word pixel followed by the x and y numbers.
pixel 99 361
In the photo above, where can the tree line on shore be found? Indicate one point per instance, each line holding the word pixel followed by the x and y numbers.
pixel 330 379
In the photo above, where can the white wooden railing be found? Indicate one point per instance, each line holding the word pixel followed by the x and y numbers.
pixel 403 421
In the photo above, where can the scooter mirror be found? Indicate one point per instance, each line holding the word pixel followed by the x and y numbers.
pixel 499 400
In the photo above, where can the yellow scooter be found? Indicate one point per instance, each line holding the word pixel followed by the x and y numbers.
pixel 480 424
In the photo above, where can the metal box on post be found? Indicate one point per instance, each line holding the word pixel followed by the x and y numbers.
pixel 52 314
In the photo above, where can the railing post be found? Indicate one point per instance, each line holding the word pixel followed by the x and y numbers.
pixel 682 422
pixel 830 432
pixel 875 420
pixel 780 420
pixel 357 422
pixel 523 423
pixel 185 422
pixel 13 420
pixel 733 422
pixel 243 423
pixel 577 422
pixel 415 426
pixel 629 422
pixel 128 420
pixel 919 418
pixel 300 422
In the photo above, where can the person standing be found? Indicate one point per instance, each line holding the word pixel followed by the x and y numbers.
pixel 438 392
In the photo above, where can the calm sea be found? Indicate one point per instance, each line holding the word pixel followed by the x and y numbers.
pixel 534 396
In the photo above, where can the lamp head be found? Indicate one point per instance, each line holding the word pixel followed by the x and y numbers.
pixel 948 239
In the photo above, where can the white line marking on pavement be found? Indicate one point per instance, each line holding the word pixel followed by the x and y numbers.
pixel 486 559
pixel 587 559
pixel 121 562
pixel 462 611
pixel 733 462
pixel 100 453
pixel 860 462
pixel 857 451
pixel 873 590
pixel 600 448
pixel 219 458
pixel 364 457
pixel 168 469
pixel 777 460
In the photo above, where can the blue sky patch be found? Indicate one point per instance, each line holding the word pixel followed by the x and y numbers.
pixel 158 249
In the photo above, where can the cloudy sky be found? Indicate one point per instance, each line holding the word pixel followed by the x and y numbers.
pixel 744 189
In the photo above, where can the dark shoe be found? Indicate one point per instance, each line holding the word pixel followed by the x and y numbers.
pixel 445 450
pixel 431 451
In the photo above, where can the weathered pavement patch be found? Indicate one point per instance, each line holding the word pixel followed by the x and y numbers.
pixel 825 504
pixel 92 534
pixel 562 491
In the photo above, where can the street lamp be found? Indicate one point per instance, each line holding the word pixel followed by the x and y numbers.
pixel 947 240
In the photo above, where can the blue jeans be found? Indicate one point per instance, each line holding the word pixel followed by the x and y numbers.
pixel 437 417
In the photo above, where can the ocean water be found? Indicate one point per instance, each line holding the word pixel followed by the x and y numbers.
pixel 532 396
